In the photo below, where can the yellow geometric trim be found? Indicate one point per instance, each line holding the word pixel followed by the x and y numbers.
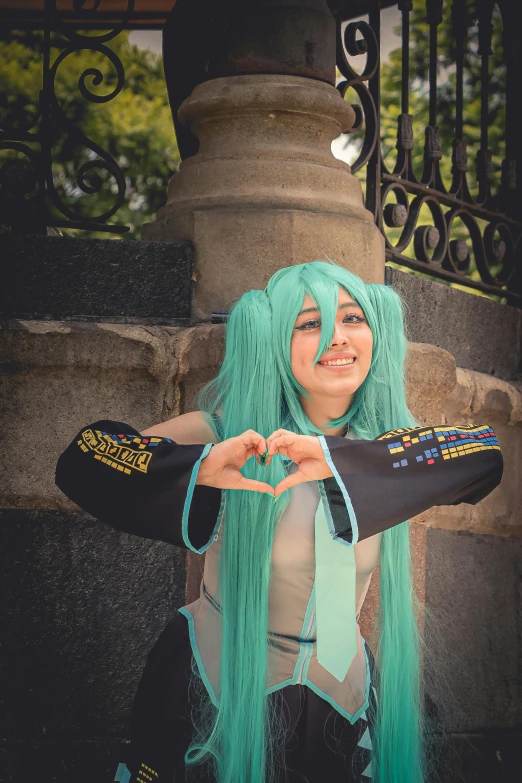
pixel 455 452
pixel 470 428
pixel 121 457
pixel 149 769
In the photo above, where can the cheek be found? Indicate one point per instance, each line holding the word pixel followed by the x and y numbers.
pixel 368 349
pixel 302 353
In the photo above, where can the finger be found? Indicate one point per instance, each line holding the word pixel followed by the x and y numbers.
pixel 279 442
pixel 290 481
pixel 275 434
pixel 280 450
pixel 274 441
pixel 261 451
pixel 254 486
pixel 253 442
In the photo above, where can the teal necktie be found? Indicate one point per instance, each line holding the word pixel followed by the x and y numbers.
pixel 335 597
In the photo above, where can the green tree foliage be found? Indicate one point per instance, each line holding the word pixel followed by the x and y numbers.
pixel 135 128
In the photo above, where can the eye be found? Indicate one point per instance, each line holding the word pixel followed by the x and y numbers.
pixel 308 325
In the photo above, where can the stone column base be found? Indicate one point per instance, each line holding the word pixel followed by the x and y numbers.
pixel 264 190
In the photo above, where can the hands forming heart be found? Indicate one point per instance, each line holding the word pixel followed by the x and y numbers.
pixel 221 467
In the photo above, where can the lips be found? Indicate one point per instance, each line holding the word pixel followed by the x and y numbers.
pixel 347 361
pixel 343 355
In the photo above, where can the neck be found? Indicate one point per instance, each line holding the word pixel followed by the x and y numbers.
pixel 322 412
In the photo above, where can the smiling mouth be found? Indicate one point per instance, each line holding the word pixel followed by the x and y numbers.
pixel 338 363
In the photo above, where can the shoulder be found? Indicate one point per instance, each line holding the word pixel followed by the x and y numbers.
pixel 189 428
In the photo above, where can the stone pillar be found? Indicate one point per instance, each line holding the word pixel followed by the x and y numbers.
pixel 264 190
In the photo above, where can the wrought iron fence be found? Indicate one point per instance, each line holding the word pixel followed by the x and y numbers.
pixel 446 218
pixel 30 199
pixel 430 224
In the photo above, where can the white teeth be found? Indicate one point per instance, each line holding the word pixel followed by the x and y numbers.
pixel 338 362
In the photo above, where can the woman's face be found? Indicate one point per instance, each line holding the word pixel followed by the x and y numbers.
pixel 352 339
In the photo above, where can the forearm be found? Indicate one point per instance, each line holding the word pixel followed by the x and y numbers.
pixel 141 485
pixel 380 483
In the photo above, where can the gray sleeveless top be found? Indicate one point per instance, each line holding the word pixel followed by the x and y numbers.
pixel 292 655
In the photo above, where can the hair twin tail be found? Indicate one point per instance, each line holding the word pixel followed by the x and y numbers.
pixel 243 744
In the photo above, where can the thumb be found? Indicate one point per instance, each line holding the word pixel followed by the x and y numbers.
pixel 290 481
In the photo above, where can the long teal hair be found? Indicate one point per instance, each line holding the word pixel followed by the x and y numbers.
pixel 255 389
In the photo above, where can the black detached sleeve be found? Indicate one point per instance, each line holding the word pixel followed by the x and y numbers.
pixel 379 483
pixel 141 485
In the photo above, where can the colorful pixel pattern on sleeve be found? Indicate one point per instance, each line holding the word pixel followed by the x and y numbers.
pixel 441 443
pixel 122 451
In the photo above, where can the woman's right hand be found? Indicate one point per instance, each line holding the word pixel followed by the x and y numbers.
pixel 221 467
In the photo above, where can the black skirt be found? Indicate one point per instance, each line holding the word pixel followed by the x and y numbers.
pixel 320 744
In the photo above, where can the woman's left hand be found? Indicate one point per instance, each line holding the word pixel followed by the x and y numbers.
pixel 305 451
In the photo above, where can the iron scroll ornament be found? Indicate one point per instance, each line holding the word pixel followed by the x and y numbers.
pixel 30 198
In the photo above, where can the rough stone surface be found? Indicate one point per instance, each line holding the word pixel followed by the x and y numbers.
pixel 481 334
pixel 95 279
pixel 481 399
pixel 431 374
pixel 473 589
pixel 57 376
pixel 80 760
pixel 82 605
pixel 264 190
pixel 238 250
pixel 491 757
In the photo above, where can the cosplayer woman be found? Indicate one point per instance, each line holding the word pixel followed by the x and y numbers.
pixel 296 476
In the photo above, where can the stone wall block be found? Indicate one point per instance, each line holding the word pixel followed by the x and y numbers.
pixel 482 335
pixel 478 399
pixel 82 605
pixel 479 396
pixel 431 374
pixel 57 377
pixel 199 351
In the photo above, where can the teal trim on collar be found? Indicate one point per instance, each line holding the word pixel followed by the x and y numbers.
pixel 188 501
pixel 355 717
pixel 122 774
pixel 346 496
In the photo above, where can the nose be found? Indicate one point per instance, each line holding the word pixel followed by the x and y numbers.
pixel 340 337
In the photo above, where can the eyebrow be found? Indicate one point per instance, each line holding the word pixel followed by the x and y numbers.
pixel 341 307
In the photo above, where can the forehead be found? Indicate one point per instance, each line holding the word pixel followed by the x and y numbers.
pixel 343 296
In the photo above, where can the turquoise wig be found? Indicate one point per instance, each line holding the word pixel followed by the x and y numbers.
pixel 243 739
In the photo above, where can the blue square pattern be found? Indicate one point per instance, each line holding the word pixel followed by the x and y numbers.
pixel 404 462
pixel 420 458
pixel 396 464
